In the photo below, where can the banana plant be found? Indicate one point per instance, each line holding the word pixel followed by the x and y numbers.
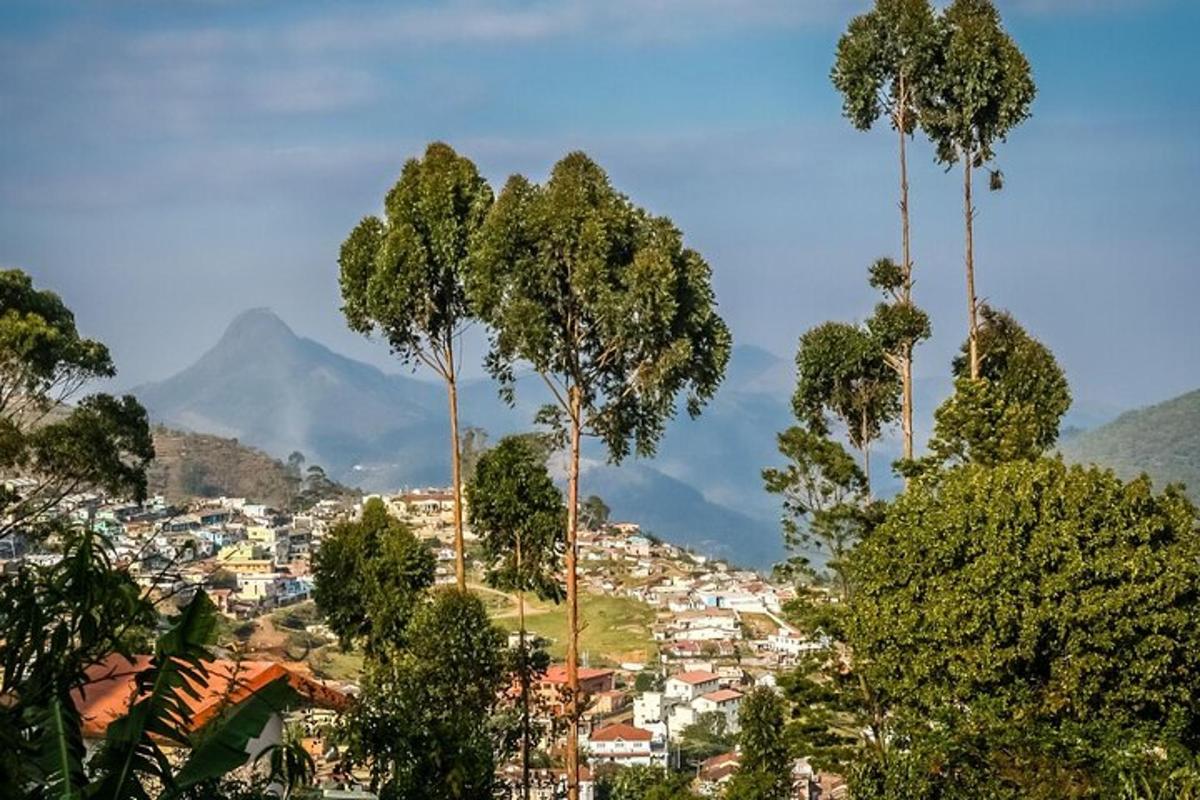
pixel 132 764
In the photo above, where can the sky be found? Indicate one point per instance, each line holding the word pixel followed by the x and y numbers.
pixel 166 164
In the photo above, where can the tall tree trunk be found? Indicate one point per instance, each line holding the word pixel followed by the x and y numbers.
pixel 866 452
pixel 524 667
pixel 906 354
pixel 460 561
pixel 575 402
pixel 972 305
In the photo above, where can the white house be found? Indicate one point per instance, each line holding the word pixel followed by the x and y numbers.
pixel 687 686
pixel 624 745
pixel 723 701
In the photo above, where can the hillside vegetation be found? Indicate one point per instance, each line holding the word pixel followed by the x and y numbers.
pixel 1162 441
pixel 192 465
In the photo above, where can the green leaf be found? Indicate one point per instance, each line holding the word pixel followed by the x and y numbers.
pixel 60 750
pixel 221 748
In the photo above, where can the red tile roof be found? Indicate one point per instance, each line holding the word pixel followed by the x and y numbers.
pixel 109 691
pixel 722 695
pixel 621 731
pixel 557 673
pixel 696 677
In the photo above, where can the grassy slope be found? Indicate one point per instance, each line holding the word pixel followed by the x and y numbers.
pixel 615 629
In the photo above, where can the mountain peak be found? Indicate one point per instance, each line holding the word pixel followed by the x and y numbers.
pixel 257 323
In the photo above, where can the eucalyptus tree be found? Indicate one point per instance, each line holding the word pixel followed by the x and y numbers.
pixel 518 513
pixel 885 65
pixel 984 89
pixel 843 373
pixel 402 278
pixel 616 315
pixel 899 326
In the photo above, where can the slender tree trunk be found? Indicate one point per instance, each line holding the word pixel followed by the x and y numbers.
pixel 906 354
pixel 524 666
pixel 575 402
pixel 460 562
pixel 866 452
pixel 972 305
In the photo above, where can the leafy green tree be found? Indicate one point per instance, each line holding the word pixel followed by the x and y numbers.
pixel 825 509
pixel 766 766
pixel 424 720
pixel 594 512
pixel 402 277
pixel 519 515
pixel 101 442
pixel 708 736
pixel 842 372
pixel 984 89
pixel 369 576
pixel 605 303
pixel 1013 408
pixel 643 783
pixel 886 64
pixel 823 493
pixel 1031 623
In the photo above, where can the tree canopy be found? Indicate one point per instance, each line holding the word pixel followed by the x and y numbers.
pixel 369 576
pixel 843 373
pixel 1014 409
pixel 101 442
pixel 885 63
pixel 984 85
pixel 423 724
pixel 597 294
pixel 1029 617
pixel 519 515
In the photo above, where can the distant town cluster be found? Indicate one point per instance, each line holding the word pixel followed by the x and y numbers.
pixel 717 630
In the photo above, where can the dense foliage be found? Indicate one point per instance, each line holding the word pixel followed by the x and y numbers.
pixel 102 442
pixel 1012 411
pixel 424 722
pixel 1033 623
pixel 369 576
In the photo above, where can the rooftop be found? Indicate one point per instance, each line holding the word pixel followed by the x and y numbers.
pixel 621 732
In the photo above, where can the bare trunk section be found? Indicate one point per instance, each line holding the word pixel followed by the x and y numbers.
pixel 524 666
pixel 460 562
pixel 906 354
pixel 575 402
pixel 972 305
pixel 866 452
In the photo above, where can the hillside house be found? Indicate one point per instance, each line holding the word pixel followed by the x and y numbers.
pixel 624 745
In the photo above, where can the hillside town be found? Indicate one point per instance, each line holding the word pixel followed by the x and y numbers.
pixel 716 631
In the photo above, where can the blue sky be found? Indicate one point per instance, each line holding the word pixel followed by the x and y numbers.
pixel 165 165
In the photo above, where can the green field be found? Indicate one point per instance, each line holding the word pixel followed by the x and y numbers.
pixel 614 629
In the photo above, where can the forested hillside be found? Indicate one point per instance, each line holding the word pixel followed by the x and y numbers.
pixel 1161 440
pixel 191 465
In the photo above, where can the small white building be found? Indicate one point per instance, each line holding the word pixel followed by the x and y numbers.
pixel 687 686
pixel 723 701
pixel 625 745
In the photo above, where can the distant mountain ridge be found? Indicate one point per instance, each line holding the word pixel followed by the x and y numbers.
pixel 279 392
pixel 1161 440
